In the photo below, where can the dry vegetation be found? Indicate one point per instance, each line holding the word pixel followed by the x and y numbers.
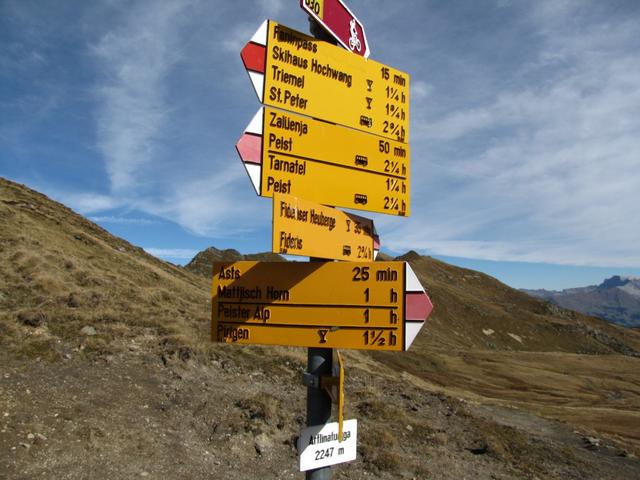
pixel 490 343
pixel 106 371
pixel 61 273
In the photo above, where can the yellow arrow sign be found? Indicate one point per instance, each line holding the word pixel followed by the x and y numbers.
pixel 332 304
pixel 325 163
pixel 290 135
pixel 301 227
pixel 293 71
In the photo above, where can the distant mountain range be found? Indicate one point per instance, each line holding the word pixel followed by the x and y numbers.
pixel 617 300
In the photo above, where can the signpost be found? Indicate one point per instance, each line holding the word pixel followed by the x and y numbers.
pixel 336 18
pixel 301 227
pixel 333 130
pixel 288 153
pixel 371 306
pixel 301 74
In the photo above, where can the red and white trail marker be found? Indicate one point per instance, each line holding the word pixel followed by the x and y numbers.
pixel 254 58
pixel 249 147
pixel 336 18
pixel 418 306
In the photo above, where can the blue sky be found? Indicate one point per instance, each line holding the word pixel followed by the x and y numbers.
pixel 525 125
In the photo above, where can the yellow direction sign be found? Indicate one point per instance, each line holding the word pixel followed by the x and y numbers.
pixel 293 71
pixel 301 227
pixel 374 305
pixel 292 154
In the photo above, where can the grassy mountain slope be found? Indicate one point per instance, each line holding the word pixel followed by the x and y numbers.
pixel 61 273
pixel 476 311
pixel 106 371
pixel 487 341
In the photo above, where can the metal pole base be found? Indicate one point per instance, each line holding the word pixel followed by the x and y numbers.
pixel 319 363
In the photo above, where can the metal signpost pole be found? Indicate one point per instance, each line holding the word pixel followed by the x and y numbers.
pixel 319 364
pixel 319 360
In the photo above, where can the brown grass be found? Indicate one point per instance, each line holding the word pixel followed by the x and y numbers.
pixel 593 392
pixel 74 274
pixel 61 273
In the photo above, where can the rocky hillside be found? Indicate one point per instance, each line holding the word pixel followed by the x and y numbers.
pixel 617 300
pixel 107 371
pixel 64 276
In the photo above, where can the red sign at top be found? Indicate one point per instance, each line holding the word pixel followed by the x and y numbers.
pixel 336 18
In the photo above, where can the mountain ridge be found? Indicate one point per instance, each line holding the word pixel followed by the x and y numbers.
pixel 616 299
pixel 202 262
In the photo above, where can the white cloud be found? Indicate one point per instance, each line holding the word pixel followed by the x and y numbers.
pixel 135 60
pixel 420 90
pixel 238 37
pixel 534 252
pixel 143 116
pixel 548 169
pixel 172 253
pixel 221 204
pixel 524 127
pixel 273 7
pixel 458 124
pixel 123 220
pixel 85 203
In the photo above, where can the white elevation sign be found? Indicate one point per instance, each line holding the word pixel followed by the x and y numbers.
pixel 319 445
